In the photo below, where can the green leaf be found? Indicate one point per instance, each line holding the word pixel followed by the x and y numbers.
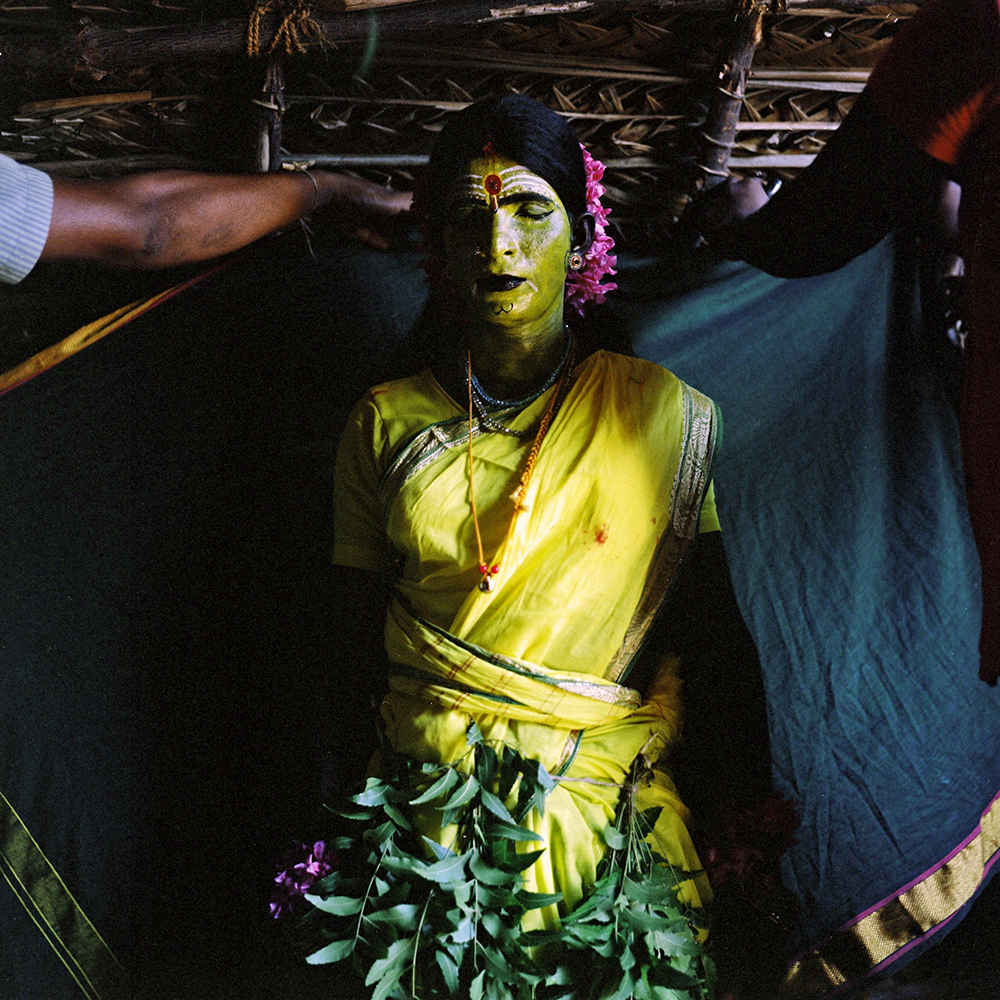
pixel 518 862
pixel 375 793
pixel 339 906
pixel 535 939
pixel 361 814
pixel 463 796
pixel 497 962
pixel 614 838
pixel 495 806
pixel 403 917
pixel 439 850
pixel 449 971
pixel 476 988
pixel 402 863
pixel 590 934
pixel 485 872
pixel 473 735
pixel 497 897
pixel 623 991
pixel 669 976
pixel 492 924
pixel 665 943
pixel 380 834
pixel 486 765
pixel 398 952
pixel 466 931
pixel 444 784
pixel 511 831
pixel 510 769
pixel 397 816
pixel 536 900
pixel 336 951
pixel 658 895
pixel 448 869
pixel 389 985
pixel 534 788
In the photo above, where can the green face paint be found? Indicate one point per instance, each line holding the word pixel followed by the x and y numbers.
pixel 506 243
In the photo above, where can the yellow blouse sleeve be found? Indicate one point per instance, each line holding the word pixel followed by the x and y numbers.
pixel 709 515
pixel 359 538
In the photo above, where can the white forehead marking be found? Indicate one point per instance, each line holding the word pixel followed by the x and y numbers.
pixel 513 180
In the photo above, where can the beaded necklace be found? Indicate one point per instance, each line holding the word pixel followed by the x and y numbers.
pixel 482 400
pixel 489 571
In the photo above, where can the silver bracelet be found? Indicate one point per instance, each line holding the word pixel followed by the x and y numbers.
pixel 303 168
pixel 315 203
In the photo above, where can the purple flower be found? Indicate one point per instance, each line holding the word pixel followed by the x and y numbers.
pixel 302 868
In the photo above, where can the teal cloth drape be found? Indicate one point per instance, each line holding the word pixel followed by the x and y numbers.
pixel 841 500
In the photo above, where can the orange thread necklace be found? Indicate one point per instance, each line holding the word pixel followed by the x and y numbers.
pixel 489 570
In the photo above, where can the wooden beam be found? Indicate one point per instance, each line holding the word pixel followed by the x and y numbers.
pixel 99 51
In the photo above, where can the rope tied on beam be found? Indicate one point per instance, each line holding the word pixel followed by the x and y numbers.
pixel 295 29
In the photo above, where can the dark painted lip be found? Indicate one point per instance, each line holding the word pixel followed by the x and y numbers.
pixel 498 282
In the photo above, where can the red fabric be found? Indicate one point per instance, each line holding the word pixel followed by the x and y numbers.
pixel 941 76
pixel 939 83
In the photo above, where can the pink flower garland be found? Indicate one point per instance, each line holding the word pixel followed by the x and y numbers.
pixel 585 286
pixel 582 286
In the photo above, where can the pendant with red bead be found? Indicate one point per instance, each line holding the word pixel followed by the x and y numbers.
pixel 486 584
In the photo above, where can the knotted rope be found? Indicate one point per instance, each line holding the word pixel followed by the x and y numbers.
pixel 297 27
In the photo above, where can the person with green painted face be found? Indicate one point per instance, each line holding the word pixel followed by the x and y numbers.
pixel 526 502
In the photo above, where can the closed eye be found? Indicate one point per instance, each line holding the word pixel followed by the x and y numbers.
pixel 534 212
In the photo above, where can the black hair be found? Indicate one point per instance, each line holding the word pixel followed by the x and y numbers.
pixel 517 128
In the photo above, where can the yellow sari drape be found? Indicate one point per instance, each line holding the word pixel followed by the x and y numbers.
pixel 615 499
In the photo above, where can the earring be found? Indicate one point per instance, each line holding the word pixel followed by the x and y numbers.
pixel 575 260
pixel 479 252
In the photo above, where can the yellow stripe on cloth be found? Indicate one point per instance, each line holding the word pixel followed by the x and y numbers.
pixel 917 911
pixel 91 333
pixel 56 914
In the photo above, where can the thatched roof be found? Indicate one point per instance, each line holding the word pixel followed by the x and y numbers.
pixel 108 86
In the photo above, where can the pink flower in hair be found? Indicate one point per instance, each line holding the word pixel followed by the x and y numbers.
pixel 585 286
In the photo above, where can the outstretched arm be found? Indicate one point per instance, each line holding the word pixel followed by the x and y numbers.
pixel 867 180
pixel 167 218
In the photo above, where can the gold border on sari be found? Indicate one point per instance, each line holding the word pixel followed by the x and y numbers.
pixel 880 935
pixel 55 912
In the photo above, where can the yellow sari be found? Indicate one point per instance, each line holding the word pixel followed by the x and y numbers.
pixel 620 489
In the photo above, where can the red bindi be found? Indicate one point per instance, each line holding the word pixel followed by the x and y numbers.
pixel 493 184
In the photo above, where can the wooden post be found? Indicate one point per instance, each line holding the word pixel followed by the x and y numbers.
pixel 270 108
pixel 731 72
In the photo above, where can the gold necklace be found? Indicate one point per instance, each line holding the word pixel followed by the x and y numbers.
pixel 489 570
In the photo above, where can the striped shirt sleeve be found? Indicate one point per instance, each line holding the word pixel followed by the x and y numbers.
pixel 25 215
